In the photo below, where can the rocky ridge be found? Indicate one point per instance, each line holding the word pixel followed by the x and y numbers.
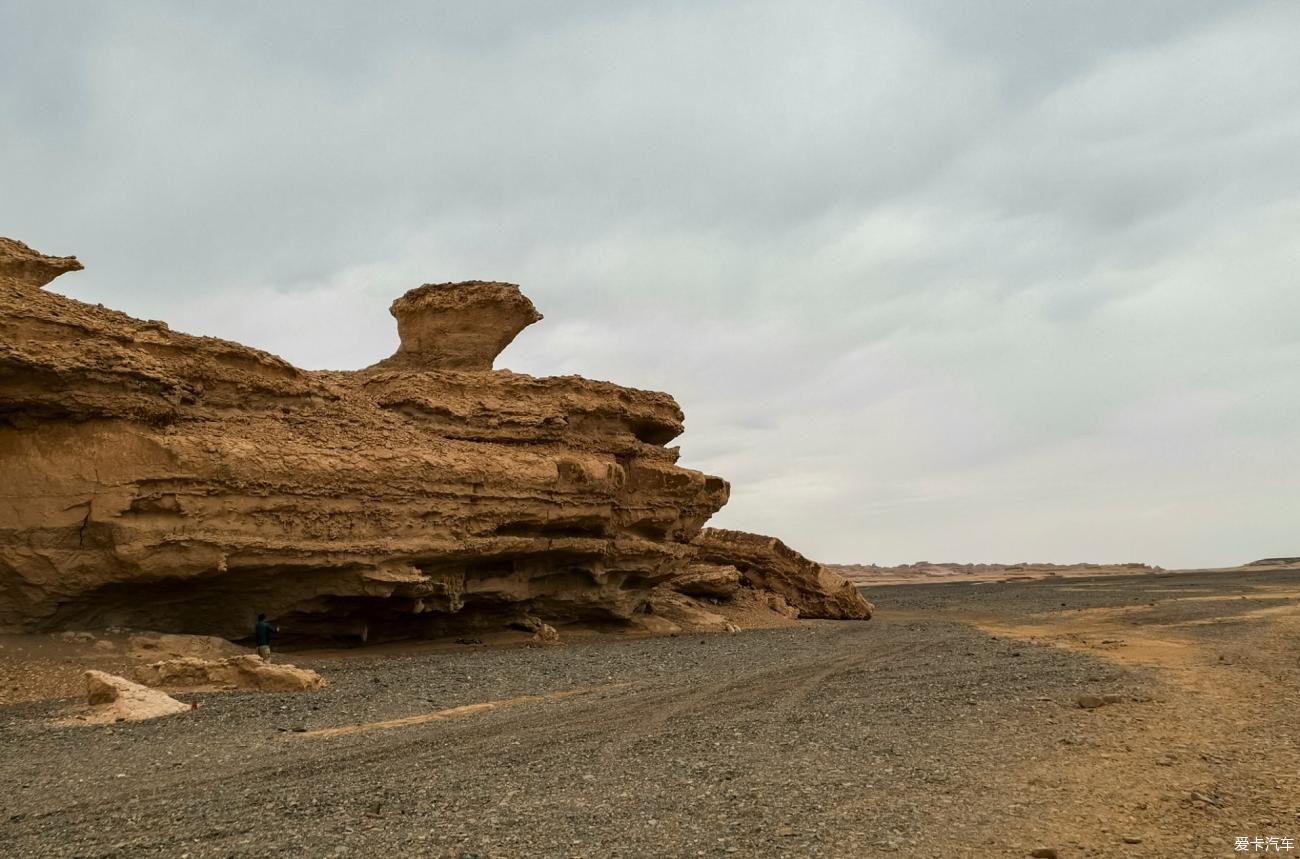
pixel 159 480
pixel 923 571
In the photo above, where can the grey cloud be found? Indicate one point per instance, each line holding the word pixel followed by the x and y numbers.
pixel 984 281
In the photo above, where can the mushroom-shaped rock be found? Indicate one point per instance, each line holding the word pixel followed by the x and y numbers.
pixel 458 326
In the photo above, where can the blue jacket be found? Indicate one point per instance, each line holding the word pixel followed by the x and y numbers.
pixel 264 630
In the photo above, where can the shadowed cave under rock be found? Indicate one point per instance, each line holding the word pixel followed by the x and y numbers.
pixel 221 605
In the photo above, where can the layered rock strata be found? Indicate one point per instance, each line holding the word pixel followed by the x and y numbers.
pixel 767 564
pixel 156 480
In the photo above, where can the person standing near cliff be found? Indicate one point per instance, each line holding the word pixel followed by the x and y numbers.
pixel 263 632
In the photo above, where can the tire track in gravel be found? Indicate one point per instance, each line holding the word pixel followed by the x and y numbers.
pixel 778 691
pixel 643 711
pixel 613 725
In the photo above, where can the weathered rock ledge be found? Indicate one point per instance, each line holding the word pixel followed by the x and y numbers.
pixel 157 480
pixel 767 564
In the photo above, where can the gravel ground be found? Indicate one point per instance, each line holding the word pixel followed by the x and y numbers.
pixel 913 734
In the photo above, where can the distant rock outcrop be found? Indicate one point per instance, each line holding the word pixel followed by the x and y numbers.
pixel 925 571
pixel 157 480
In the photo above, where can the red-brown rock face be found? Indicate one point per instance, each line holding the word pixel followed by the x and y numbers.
pixel 159 480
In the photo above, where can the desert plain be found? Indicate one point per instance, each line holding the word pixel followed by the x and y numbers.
pixel 1117 716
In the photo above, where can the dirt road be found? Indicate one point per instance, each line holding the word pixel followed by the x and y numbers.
pixel 947 726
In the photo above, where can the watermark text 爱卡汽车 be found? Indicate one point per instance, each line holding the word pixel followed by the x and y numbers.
pixel 1261 844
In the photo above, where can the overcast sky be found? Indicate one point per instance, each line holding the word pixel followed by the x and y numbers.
pixel 973 281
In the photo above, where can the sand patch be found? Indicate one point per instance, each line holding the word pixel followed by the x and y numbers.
pixel 450 713
pixel 1121 634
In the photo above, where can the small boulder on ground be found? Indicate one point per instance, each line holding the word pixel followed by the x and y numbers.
pixel 778 604
pixel 649 624
pixel 113 698
pixel 544 635
pixel 238 672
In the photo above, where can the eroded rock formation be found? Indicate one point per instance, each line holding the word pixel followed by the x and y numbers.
pixel 116 699
pixel 157 480
pixel 458 326
pixel 765 563
pixel 236 672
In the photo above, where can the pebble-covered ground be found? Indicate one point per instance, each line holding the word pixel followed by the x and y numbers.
pixel 918 733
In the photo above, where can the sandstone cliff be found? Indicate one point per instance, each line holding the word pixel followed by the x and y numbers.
pixel 159 480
